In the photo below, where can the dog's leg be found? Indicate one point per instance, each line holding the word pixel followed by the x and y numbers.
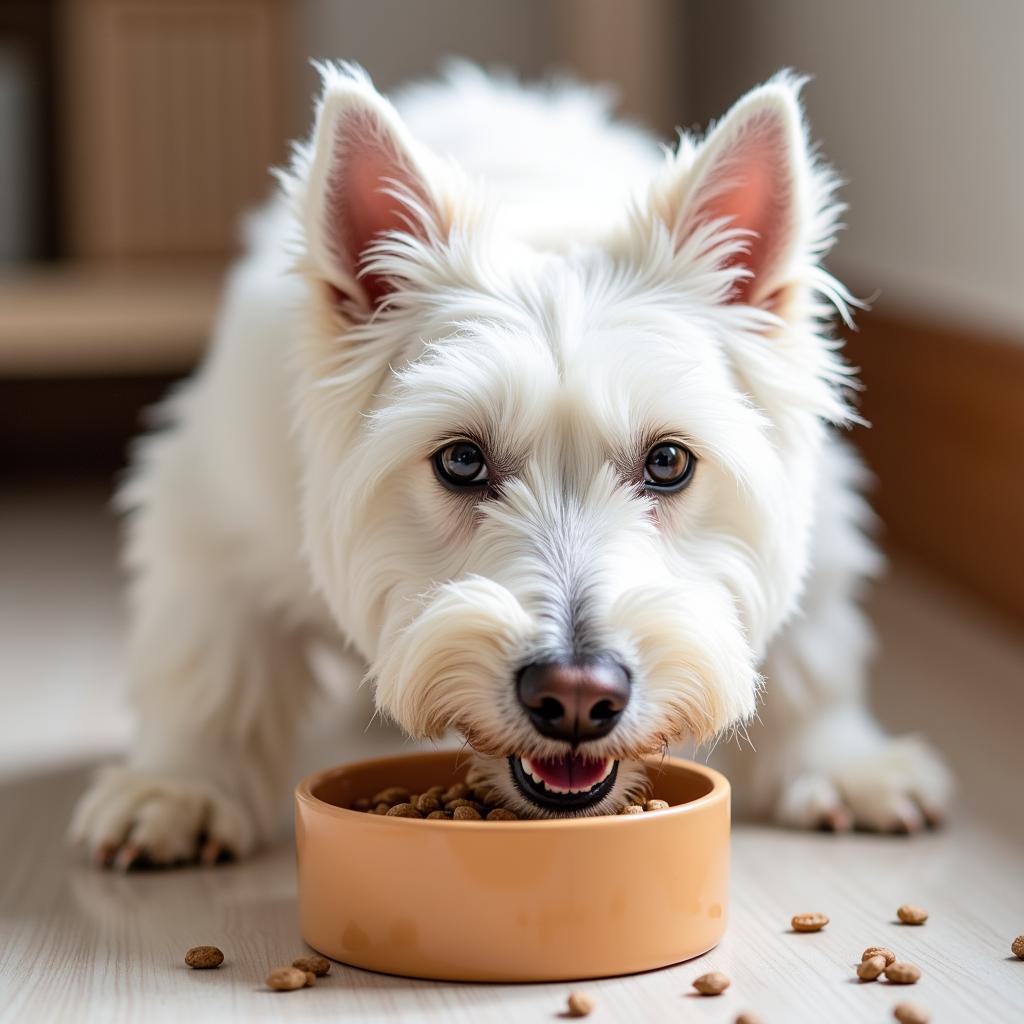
pixel 217 679
pixel 820 757
pixel 217 689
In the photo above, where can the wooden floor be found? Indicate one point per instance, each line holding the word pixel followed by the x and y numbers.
pixel 80 945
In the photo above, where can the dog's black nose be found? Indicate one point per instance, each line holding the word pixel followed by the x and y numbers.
pixel 574 702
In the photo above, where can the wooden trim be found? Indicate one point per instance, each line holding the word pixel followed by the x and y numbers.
pixel 947 446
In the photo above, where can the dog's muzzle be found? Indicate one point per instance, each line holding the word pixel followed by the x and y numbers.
pixel 576 702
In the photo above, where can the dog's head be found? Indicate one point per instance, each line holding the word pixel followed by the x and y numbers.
pixel 560 497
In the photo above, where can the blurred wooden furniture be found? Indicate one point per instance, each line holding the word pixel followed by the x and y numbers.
pixel 91 318
pixel 172 115
pixel 169 115
pixel 946 408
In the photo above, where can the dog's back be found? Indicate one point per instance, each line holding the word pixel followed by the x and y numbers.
pixel 560 168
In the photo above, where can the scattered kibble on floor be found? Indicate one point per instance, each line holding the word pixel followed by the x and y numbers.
pixel 808 922
pixel 909 914
pixel 580 1004
pixel 204 958
pixel 902 974
pixel 713 983
pixel 911 1013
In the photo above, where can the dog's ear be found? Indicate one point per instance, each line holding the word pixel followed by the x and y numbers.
pixel 750 177
pixel 366 178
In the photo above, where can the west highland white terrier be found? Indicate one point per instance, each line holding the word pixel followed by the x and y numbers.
pixel 535 419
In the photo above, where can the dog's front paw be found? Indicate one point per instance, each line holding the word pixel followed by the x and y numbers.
pixel 130 819
pixel 900 787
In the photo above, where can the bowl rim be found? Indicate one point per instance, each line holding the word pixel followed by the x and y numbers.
pixel 719 792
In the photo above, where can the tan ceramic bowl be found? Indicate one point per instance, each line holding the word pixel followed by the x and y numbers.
pixel 516 900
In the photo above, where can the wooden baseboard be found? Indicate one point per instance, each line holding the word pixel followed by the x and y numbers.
pixel 947 445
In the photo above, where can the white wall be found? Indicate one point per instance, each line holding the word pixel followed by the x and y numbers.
pixel 920 104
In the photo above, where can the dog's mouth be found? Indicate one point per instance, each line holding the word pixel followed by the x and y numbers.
pixel 566 784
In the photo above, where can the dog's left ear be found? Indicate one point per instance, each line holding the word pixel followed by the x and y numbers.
pixel 750 177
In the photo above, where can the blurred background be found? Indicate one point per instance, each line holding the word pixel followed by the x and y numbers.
pixel 135 133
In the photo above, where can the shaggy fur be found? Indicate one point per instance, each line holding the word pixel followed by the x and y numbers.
pixel 507 264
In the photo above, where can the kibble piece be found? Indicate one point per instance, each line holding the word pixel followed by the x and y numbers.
pixel 392 795
pixel 748 1018
pixel 435 791
pixel 436 815
pixel 711 984
pixel 580 1004
pixel 404 811
pixel 868 970
pixel 286 979
pixel 382 808
pixel 888 955
pixel 502 814
pixel 427 804
pixel 902 974
pixel 460 801
pixel 909 914
pixel 465 813
pixel 656 805
pixel 911 1013
pixel 319 965
pixel 362 804
pixel 310 978
pixel 1017 947
pixel 809 922
pixel 203 958
pixel 632 809
pixel 456 792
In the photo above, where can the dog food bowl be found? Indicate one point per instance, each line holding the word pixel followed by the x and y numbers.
pixel 510 900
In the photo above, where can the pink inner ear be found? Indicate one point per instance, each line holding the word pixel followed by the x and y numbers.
pixel 752 186
pixel 361 208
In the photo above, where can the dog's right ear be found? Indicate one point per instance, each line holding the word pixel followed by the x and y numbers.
pixel 366 178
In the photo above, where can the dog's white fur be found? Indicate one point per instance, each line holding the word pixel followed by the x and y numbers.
pixel 559 287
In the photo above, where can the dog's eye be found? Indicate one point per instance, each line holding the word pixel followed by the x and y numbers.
pixel 669 466
pixel 461 464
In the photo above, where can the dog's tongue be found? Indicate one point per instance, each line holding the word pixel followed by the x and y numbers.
pixel 571 771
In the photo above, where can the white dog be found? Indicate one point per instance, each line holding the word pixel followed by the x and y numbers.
pixel 541 430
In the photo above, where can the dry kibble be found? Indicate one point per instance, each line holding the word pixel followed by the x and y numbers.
pixel 501 814
pixel 580 1004
pixel 203 958
pixel 435 791
pixel 466 813
pixel 632 809
pixel 656 805
pixel 911 1013
pixel 909 914
pixel 887 954
pixel 319 965
pixel 868 970
pixel 404 811
pixel 456 792
pixel 392 795
pixel 1017 947
pixel 310 979
pixel 286 979
pixel 809 922
pixel 749 1018
pixel 454 805
pixel 902 974
pixel 427 804
pixel 382 808
pixel 712 984
pixel 440 815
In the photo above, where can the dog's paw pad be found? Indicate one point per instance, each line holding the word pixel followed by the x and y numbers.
pixel 902 787
pixel 130 821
